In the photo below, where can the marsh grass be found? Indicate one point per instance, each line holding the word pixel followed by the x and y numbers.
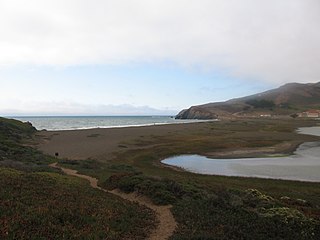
pixel 218 207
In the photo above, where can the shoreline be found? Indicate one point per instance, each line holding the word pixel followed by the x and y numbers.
pixel 105 144
pixel 101 143
pixel 294 150
pixel 181 169
pixel 285 149
pixel 69 123
pixel 127 126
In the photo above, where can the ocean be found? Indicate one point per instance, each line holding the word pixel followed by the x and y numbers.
pixel 88 122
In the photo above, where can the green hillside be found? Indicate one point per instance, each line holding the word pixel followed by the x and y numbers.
pixel 37 202
pixel 288 99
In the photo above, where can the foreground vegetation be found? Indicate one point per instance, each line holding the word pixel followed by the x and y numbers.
pixel 205 207
pixel 16 147
pixel 51 206
pixel 38 203
pixel 226 213
pixel 216 207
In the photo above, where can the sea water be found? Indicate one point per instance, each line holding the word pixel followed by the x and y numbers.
pixel 88 122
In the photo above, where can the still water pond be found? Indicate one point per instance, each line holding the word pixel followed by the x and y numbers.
pixel 303 165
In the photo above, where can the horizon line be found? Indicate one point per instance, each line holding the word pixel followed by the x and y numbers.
pixel 124 115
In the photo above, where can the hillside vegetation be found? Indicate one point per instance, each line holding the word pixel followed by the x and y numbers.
pixel 283 101
pixel 37 202
pixel 16 150
pixel 215 207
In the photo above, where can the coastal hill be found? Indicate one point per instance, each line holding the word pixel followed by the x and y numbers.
pixel 289 99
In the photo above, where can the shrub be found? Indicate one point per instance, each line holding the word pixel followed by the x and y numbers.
pixel 261 103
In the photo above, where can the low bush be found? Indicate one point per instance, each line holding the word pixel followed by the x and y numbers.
pixel 52 206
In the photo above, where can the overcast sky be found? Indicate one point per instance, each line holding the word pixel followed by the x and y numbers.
pixel 136 56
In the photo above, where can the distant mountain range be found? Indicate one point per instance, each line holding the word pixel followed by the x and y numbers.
pixel 288 99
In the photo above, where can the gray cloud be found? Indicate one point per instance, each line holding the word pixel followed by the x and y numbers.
pixel 271 40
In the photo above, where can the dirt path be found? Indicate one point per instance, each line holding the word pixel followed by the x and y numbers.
pixel 166 221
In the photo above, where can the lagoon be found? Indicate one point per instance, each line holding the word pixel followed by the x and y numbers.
pixel 303 165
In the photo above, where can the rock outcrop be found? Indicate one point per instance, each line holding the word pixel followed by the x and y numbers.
pixel 196 113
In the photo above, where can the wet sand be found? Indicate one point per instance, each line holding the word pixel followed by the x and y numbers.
pixel 101 143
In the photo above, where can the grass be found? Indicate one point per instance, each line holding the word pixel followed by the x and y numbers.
pixel 38 202
pixel 241 215
pixel 13 129
pixel 52 206
pixel 226 213
pixel 205 207
pixel 214 207
pixel 15 152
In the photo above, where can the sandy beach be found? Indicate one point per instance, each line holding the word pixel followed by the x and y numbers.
pixel 100 143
